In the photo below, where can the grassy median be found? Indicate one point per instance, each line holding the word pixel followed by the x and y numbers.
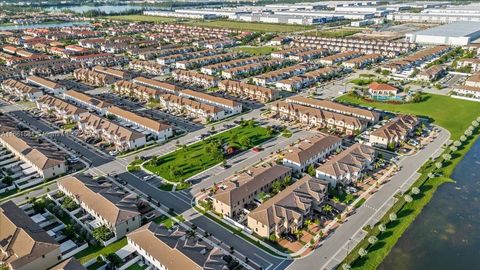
pixel 190 160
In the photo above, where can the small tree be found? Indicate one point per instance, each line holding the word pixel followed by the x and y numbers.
pixel 382 227
pixel 311 170
pixel 438 165
pixel 372 239
pixel 346 266
pixel 447 157
pixel 408 198
pixel 392 216
pixel 463 138
pixel 457 143
pixel 114 259
pixel 362 252
pixel 415 190
pixel 453 148
pixel 102 233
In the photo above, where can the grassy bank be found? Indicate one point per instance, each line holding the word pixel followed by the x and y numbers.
pixel 338 33
pixel 431 177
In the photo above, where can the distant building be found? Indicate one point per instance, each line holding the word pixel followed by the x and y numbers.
pixel 456 34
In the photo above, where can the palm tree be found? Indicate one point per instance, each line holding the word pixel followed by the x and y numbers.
pixel 362 252
pixel 392 216
pixel 408 198
pixel 372 239
pixel 327 208
pixel 382 227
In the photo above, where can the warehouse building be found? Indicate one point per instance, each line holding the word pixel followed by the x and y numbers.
pixel 457 34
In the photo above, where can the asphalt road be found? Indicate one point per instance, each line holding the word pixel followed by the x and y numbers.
pixel 338 244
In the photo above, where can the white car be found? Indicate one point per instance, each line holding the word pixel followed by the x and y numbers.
pixel 113 153
pixel 148 177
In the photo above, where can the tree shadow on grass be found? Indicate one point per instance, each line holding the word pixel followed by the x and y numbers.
pixel 385 235
pixel 425 188
pixel 376 246
pixel 392 224
pixel 404 212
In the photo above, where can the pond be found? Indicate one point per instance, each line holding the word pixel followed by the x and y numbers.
pixel 446 234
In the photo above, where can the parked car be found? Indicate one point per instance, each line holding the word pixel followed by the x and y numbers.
pixel 257 149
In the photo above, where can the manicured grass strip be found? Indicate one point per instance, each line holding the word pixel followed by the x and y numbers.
pixel 94 251
pixel 167 221
pixel 453 114
pixel 193 159
pixel 136 266
pixel 252 26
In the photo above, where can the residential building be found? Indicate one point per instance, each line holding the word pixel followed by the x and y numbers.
pixel 93 77
pixel 44 158
pixel 24 244
pixel 234 193
pixel 255 92
pixel 287 211
pixel 432 73
pixel 193 77
pixel 333 106
pixel 467 91
pixel 473 63
pixel 383 90
pixel 69 264
pixel 310 151
pixel 162 248
pixel 50 86
pixel 123 138
pixel 87 101
pixel 230 107
pixel 314 117
pixel 163 86
pixel 63 110
pixel 158 130
pixel 193 108
pixel 141 92
pixel 21 90
pixel 347 167
pixel 395 131
pixel 473 81
pixel 149 67
pixel 119 74
pixel 110 204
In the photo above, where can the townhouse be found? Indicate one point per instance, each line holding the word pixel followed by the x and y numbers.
pixel 308 55
pixel 250 69
pixel 162 248
pixel 40 156
pixel 310 151
pixel 25 245
pixel 206 60
pixel 255 92
pixel 68 112
pixel 193 108
pixel 233 194
pixel 230 107
pixel 467 91
pixel 99 59
pixel 307 79
pixel 275 75
pixel 328 105
pixel 50 86
pixel 193 77
pixel 123 138
pixel 216 68
pixel 87 101
pixel 287 211
pixel 110 205
pixel 118 74
pixel 473 63
pixel 348 166
pixel 415 59
pixel 149 67
pixel 21 90
pixel 131 89
pixel 157 130
pixel 92 43
pixel 473 81
pixel 93 77
pixel 7 73
pixel 148 54
pixel 382 90
pixel 386 48
pixel 314 117
pixel 173 58
pixel 163 86
pixel 339 57
pixel 362 61
pixel 394 132
pixel 284 54
pixel 432 73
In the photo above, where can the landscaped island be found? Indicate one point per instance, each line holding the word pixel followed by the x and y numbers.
pixel 190 160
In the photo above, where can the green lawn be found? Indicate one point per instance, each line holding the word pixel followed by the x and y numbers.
pixel 251 26
pixel 453 114
pixel 334 33
pixel 141 18
pixel 94 251
pixel 264 50
pixel 186 162
pixel 166 221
